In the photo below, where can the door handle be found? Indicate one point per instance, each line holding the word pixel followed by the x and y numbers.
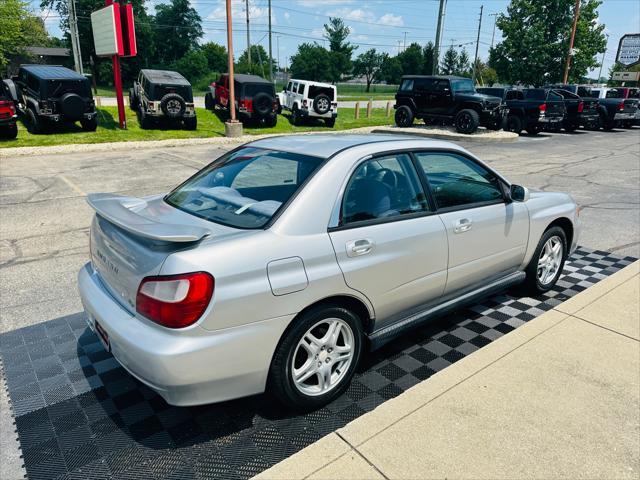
pixel 462 225
pixel 356 248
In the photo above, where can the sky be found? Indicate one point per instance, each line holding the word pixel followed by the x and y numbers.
pixel 381 24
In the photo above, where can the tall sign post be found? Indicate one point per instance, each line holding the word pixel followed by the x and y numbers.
pixel 114 36
pixel 232 128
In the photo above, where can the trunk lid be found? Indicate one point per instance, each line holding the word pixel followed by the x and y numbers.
pixel 630 105
pixel 555 108
pixel 132 237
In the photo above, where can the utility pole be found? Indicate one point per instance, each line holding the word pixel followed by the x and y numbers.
pixel 436 50
pixel 493 35
pixel 399 43
pixel 270 54
pixel 246 6
pixel 405 42
pixel 75 41
pixel 576 13
pixel 603 53
pixel 475 60
pixel 232 128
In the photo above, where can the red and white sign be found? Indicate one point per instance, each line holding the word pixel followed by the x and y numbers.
pixel 107 31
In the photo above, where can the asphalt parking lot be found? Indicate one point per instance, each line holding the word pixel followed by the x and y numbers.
pixel 44 219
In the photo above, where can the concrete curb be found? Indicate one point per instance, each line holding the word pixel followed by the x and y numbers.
pixel 333 447
pixel 445 134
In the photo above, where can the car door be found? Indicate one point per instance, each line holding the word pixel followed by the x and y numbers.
pixel 487 233
pixel 287 95
pixel 389 244
pixel 440 98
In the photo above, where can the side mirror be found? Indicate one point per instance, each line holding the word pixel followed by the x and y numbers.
pixel 519 193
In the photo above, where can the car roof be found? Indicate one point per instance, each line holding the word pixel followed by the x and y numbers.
pixel 52 72
pixel 328 144
pixel 441 77
pixel 243 78
pixel 320 84
pixel 165 76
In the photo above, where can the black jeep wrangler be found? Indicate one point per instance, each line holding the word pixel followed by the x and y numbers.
pixel 446 99
pixel 51 95
pixel 160 95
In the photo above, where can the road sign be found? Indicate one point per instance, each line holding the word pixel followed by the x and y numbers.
pixel 626 76
pixel 629 50
pixel 107 31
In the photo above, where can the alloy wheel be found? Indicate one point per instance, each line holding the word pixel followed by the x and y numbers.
pixel 550 260
pixel 323 356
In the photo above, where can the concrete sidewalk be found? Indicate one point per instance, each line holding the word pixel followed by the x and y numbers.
pixel 557 398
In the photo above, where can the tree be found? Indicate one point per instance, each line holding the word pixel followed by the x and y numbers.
pixel 485 75
pixel 311 62
pixel 193 65
pixel 259 62
pixel 369 64
pixel 463 67
pixel 536 37
pixel 411 59
pixel 216 56
pixel 427 53
pixel 19 29
pixel 391 69
pixel 178 29
pixel 336 32
pixel 449 63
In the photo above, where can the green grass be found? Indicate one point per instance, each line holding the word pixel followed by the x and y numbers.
pixel 209 125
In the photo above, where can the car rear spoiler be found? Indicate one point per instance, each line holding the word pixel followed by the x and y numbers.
pixel 125 212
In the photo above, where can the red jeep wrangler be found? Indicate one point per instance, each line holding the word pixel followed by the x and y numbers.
pixel 8 127
pixel 256 99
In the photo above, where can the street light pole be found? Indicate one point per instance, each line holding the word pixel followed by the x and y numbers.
pixel 436 50
pixel 246 4
pixel 603 53
pixel 270 53
pixel 576 13
pixel 232 128
pixel 493 35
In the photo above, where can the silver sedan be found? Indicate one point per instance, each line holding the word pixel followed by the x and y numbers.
pixel 278 265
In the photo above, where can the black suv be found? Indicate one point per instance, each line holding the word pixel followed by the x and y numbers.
pixel 160 95
pixel 447 99
pixel 255 98
pixel 51 95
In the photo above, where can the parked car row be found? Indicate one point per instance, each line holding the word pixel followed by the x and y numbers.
pixel 455 100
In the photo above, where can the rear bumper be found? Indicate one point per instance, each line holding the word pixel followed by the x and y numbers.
pixel 305 112
pixel 190 366
pixel 550 119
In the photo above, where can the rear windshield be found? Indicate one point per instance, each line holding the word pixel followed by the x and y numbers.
pixel 615 94
pixel 315 90
pixel 584 92
pixel 252 89
pixel 57 88
pixel 245 188
pixel 159 91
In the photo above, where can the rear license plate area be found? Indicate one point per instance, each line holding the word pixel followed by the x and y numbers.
pixel 102 335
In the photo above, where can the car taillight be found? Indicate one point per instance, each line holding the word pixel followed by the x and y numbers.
pixel 175 301
pixel 621 106
pixel 304 102
pixel 543 108
pixel 7 108
pixel 246 105
pixel 580 107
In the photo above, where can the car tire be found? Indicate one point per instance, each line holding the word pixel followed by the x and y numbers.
pixel 271 121
pixel 34 123
pixel 328 375
pixel 494 125
pixel 546 264
pixel 321 104
pixel 145 121
pixel 9 132
pixel 605 122
pixel 570 127
pixel 191 123
pixel 466 121
pixel 330 122
pixel 534 129
pixel 627 123
pixel 404 117
pixel 208 101
pixel 513 124
pixel 133 100
pixel 173 105
pixel 89 125
pixel 296 119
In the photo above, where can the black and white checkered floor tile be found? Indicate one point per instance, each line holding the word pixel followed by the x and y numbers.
pixel 80 415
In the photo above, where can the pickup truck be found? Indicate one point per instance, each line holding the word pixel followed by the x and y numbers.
pixel 581 107
pixel 618 106
pixel 530 109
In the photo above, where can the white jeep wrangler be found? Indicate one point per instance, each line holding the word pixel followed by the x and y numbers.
pixel 305 99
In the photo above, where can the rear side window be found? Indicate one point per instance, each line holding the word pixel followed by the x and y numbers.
pixel 245 188
pixel 406 85
pixel 615 94
pixel 301 88
pixel 554 97
pixel 458 182
pixel 383 187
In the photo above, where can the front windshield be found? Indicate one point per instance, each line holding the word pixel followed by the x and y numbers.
pixel 245 188
pixel 462 85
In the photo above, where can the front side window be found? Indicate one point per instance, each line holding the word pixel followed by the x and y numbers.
pixel 381 188
pixel 457 181
pixel 288 89
pixel 462 85
pixel 245 188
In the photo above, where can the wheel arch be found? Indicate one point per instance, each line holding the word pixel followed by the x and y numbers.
pixel 566 225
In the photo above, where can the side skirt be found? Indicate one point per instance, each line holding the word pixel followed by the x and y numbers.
pixel 387 334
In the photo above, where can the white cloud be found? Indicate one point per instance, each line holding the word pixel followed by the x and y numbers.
pixel 391 20
pixel 237 11
pixel 356 14
pixel 287 15
pixel 317 33
pixel 322 3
